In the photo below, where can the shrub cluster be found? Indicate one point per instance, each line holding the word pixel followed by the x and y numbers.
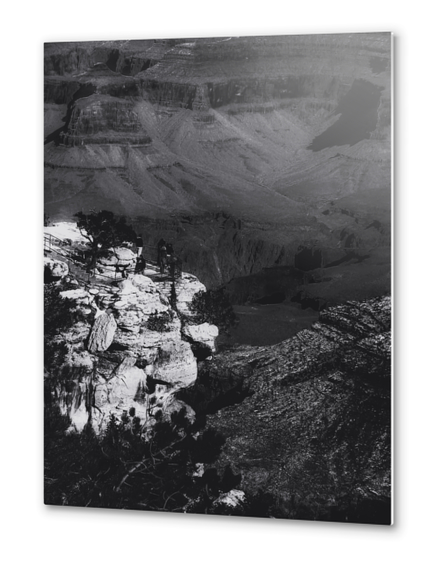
pixel 127 469
pixel 214 306
pixel 160 322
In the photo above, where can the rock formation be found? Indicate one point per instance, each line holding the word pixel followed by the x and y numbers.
pixel 102 333
pixel 230 112
pixel 128 349
pixel 308 420
pixel 55 269
pixel 212 134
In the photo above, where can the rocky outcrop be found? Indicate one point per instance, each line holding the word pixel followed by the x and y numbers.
pixel 127 351
pixel 118 260
pixel 203 333
pixel 55 269
pixel 308 420
pixel 102 119
pixel 186 287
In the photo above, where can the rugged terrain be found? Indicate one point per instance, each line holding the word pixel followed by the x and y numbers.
pixel 266 162
pixel 307 421
pixel 127 334
pixel 243 149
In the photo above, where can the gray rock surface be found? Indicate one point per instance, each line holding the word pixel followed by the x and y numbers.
pixel 102 333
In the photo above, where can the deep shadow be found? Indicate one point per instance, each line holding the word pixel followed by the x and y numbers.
pixel 83 91
pixel 274 298
pixel 308 258
pixel 358 117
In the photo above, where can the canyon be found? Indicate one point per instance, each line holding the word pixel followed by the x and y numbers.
pixel 266 163
pixel 307 420
pixel 215 143
pixel 305 423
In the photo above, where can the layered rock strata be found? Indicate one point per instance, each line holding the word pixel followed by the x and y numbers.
pixel 127 352
pixel 308 420
pixel 227 122
pixel 99 119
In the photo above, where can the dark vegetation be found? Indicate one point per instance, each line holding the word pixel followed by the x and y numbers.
pixel 160 322
pixel 104 230
pixel 214 306
pixel 130 465
pixel 128 468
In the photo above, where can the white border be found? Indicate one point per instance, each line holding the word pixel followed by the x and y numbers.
pixel 32 531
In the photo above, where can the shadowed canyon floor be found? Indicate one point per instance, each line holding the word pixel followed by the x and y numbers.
pixel 308 420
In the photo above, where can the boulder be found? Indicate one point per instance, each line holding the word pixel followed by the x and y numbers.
pixel 232 499
pixel 173 405
pixel 119 394
pixel 78 295
pixel 120 256
pixel 202 333
pixel 175 363
pixel 55 269
pixel 102 333
pixel 186 287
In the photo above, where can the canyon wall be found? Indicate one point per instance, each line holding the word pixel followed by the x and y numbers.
pixel 130 347
pixel 307 421
pixel 185 131
pixel 235 115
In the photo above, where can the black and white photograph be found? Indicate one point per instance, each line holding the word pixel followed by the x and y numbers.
pixel 218 275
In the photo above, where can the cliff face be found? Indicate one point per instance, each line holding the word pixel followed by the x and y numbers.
pixel 250 153
pixel 124 57
pixel 99 119
pixel 308 420
pixel 340 255
pixel 129 348
pixel 229 120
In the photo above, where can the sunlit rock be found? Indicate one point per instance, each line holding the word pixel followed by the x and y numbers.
pixel 203 333
pixel 102 333
pixel 56 268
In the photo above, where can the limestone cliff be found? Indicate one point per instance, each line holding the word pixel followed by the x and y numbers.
pixel 129 348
